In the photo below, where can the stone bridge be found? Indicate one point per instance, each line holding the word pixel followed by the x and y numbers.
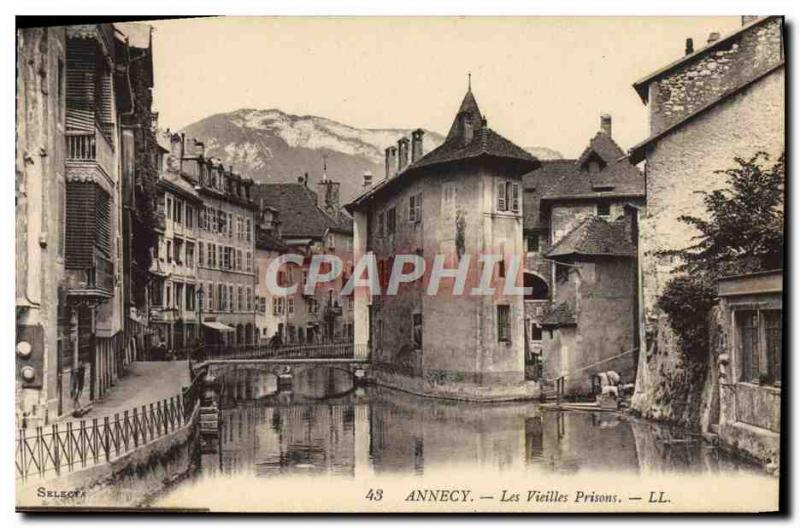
pixel 286 371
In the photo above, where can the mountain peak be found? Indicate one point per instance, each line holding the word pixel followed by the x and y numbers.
pixel 273 146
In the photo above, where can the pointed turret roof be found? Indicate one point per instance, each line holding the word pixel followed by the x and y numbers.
pixel 467 111
pixel 463 144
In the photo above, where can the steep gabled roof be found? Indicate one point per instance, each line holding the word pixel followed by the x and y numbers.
pixel 594 237
pixel 571 179
pixel 536 184
pixel 300 215
pixel 604 147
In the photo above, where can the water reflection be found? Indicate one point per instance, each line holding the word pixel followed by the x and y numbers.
pixel 323 426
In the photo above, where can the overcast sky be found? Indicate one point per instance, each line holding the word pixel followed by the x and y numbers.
pixel 539 81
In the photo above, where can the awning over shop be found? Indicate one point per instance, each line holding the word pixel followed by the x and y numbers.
pixel 219 327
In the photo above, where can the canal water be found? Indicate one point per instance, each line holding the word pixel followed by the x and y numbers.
pixel 324 428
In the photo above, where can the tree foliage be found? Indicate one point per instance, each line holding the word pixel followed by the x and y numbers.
pixel 144 221
pixel 742 233
pixel 743 230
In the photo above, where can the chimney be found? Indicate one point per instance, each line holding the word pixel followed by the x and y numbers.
pixel 713 37
pixel 605 124
pixel 689 46
pixel 175 145
pixel 402 153
pixel 746 19
pixel 391 162
pixel 367 179
pixel 416 144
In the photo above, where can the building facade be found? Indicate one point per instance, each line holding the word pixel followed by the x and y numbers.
pixel 590 328
pixel 174 290
pixel 43 330
pixel 750 350
pixel 75 168
pixel 462 198
pixel 577 212
pixel 225 249
pixel 722 101
pixel 272 315
pixel 312 224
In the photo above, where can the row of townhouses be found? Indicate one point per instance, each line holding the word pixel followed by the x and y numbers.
pixel 135 245
pixel 204 263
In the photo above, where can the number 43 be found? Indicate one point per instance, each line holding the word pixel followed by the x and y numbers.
pixel 375 494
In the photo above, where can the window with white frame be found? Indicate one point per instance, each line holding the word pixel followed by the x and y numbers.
pixel 508 196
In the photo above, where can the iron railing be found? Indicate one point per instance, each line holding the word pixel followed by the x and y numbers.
pixel 345 350
pixel 65 447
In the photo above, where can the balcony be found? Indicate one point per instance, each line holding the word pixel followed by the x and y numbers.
pixel 94 284
pixel 88 151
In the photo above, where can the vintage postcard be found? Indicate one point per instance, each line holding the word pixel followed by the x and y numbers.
pixel 366 264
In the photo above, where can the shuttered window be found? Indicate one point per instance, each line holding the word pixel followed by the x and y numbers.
pixel 508 196
pixel 514 197
pixel 502 199
pixel 88 224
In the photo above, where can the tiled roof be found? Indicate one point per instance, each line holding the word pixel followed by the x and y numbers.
pixel 176 183
pixel 616 177
pixel 559 315
pixel 603 146
pixel 536 183
pixel 595 237
pixel 299 213
pixel 485 142
pixel 266 241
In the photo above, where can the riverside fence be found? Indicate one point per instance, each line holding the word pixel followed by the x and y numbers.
pixel 65 447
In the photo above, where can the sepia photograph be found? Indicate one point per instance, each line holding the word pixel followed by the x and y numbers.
pixel 409 264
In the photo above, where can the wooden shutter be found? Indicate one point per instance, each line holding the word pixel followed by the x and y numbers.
pixel 501 196
pixel 515 197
